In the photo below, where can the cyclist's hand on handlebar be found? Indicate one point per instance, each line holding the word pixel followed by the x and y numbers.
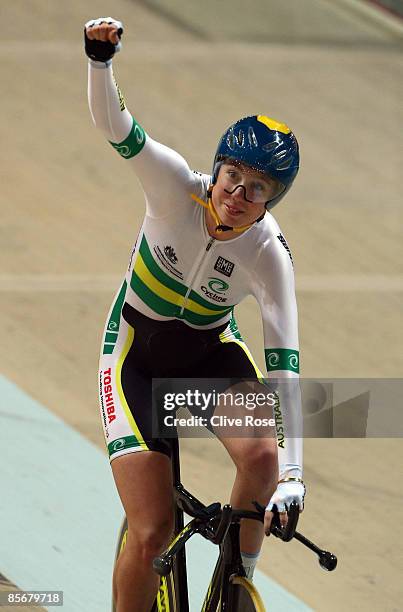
pixel 102 38
pixel 284 495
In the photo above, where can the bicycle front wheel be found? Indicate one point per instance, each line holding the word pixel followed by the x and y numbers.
pixel 244 597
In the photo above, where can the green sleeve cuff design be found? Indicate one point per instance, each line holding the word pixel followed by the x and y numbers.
pixel 282 359
pixel 134 142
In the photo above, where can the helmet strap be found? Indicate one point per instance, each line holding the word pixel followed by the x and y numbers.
pixel 210 207
pixel 220 227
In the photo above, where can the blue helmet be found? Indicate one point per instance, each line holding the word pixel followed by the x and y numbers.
pixel 265 145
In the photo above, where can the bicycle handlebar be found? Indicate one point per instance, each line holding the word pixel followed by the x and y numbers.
pixel 203 524
pixel 284 533
pixel 327 560
pixel 204 518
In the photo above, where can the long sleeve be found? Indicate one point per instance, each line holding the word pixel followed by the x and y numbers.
pixel 164 174
pixel 274 290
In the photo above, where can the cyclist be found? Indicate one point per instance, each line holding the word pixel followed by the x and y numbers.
pixel 169 320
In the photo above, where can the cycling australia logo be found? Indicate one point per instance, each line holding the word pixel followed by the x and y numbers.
pixel 119 444
pixel 123 150
pixel 282 360
pixel 134 146
pixel 168 259
pixel 216 286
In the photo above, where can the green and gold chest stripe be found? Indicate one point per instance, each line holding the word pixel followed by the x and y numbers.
pixel 167 296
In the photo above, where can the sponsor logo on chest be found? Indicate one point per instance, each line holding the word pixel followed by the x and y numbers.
pixel 216 286
pixel 168 259
pixel 224 266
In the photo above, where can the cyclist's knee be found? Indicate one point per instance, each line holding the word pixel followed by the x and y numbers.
pixel 149 540
pixel 259 462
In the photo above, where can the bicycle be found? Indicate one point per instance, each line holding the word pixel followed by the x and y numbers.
pixel 229 589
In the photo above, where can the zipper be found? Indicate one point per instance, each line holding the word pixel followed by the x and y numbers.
pixel 185 301
pixel 210 242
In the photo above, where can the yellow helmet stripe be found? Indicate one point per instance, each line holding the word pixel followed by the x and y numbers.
pixel 272 124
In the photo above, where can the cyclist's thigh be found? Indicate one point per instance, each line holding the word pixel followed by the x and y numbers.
pixel 125 395
pixel 226 364
pixel 144 482
pixel 251 445
pixel 141 464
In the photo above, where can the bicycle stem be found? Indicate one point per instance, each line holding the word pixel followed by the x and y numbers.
pixel 223 525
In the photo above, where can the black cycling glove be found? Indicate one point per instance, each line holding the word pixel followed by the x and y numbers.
pixel 99 50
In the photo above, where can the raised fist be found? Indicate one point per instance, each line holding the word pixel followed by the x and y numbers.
pixel 102 38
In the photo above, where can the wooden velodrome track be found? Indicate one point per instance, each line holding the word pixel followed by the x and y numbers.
pixel 71 210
